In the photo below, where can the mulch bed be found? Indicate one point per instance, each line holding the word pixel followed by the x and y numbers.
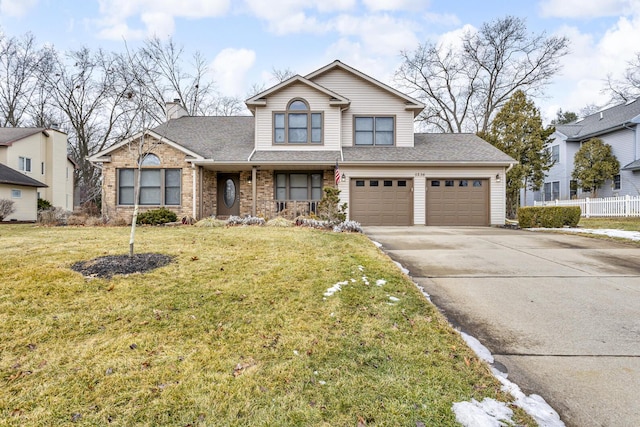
pixel 108 266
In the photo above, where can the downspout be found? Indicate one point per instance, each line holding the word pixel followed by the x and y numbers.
pixel 254 189
pixel 200 191
pixel 195 190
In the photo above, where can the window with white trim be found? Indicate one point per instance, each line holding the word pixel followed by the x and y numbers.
pixel 24 164
pixel 555 154
pixel 16 194
pixel 297 125
pixel 374 130
pixel 616 182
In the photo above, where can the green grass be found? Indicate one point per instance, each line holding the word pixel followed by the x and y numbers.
pixel 629 224
pixel 236 332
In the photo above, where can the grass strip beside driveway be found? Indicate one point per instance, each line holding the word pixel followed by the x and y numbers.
pixel 236 331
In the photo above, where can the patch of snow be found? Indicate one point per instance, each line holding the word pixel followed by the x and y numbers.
pixel 404 270
pixel 361 268
pixel 488 413
pixel 381 282
pixel 534 405
pixel 394 299
pixel 335 288
pixel 480 350
pixel 623 234
pixel 295 352
pixel 365 279
pixel 421 289
pixel 322 382
pixel 353 280
pixel 378 244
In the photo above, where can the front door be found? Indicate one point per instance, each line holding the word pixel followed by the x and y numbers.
pixel 228 194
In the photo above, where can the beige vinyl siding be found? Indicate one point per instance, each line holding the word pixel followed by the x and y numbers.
pixel 26 207
pixel 318 102
pixel 420 176
pixel 368 100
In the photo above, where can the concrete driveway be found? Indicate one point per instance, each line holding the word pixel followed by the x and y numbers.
pixel 561 313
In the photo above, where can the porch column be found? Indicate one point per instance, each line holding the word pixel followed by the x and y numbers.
pixel 194 212
pixel 254 189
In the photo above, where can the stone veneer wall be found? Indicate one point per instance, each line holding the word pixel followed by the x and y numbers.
pixel 126 157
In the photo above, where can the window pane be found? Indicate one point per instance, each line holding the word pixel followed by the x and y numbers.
pixel 21 163
pixel 297 121
pixel 448 183
pixel 27 163
pixel 388 183
pixel 316 180
pixel 384 138
pixel 316 120
pixel 316 135
pixel 281 193
pixel 298 180
pixel 384 124
pixel 435 183
pixel 402 183
pixel 16 194
pixel 316 193
pixel 172 196
pixel 297 105
pixel 279 135
pixel 126 178
pixel 477 183
pixel 364 138
pixel 151 160
pixel 373 183
pixel 464 183
pixel 278 120
pixel 297 135
pixel 172 177
pixel 150 196
pixel 281 180
pixel 150 178
pixel 364 123
pixel 359 183
pixel 298 193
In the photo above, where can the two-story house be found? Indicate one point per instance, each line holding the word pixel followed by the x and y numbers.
pixel 335 126
pixel 39 154
pixel 616 126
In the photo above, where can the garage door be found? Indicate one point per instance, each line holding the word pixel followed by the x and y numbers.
pixel 457 201
pixel 381 201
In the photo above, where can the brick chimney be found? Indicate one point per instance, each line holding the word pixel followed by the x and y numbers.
pixel 175 110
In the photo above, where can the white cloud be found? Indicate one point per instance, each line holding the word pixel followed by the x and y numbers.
pixel 441 19
pixel 16 8
pixel 380 34
pixel 588 9
pixel 156 15
pixel 230 68
pixel 378 5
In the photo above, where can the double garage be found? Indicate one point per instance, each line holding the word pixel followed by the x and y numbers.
pixel 449 201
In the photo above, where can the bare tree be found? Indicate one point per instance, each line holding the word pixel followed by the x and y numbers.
pixel 626 88
pixel 463 87
pixel 88 94
pixel 20 59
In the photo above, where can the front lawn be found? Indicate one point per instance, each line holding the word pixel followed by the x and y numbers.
pixel 237 330
pixel 629 224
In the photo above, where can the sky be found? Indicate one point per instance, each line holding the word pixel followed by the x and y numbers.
pixel 244 40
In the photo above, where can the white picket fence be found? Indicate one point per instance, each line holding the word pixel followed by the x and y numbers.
pixel 604 207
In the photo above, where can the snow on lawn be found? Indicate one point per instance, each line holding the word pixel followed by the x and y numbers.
pixel 623 234
pixel 488 412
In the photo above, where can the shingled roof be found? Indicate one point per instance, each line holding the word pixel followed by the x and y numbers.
pixel 225 139
pixel 13 177
pixel 10 135
pixel 602 122
pixel 432 148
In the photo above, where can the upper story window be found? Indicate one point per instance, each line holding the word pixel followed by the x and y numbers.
pixel 374 130
pixel 150 160
pixel 297 125
pixel 555 153
pixel 24 164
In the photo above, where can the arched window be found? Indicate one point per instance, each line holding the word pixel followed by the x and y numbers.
pixel 150 160
pixel 297 125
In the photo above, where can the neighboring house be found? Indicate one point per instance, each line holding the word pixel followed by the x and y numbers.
pixel 616 126
pixel 302 131
pixel 41 154
pixel 22 191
